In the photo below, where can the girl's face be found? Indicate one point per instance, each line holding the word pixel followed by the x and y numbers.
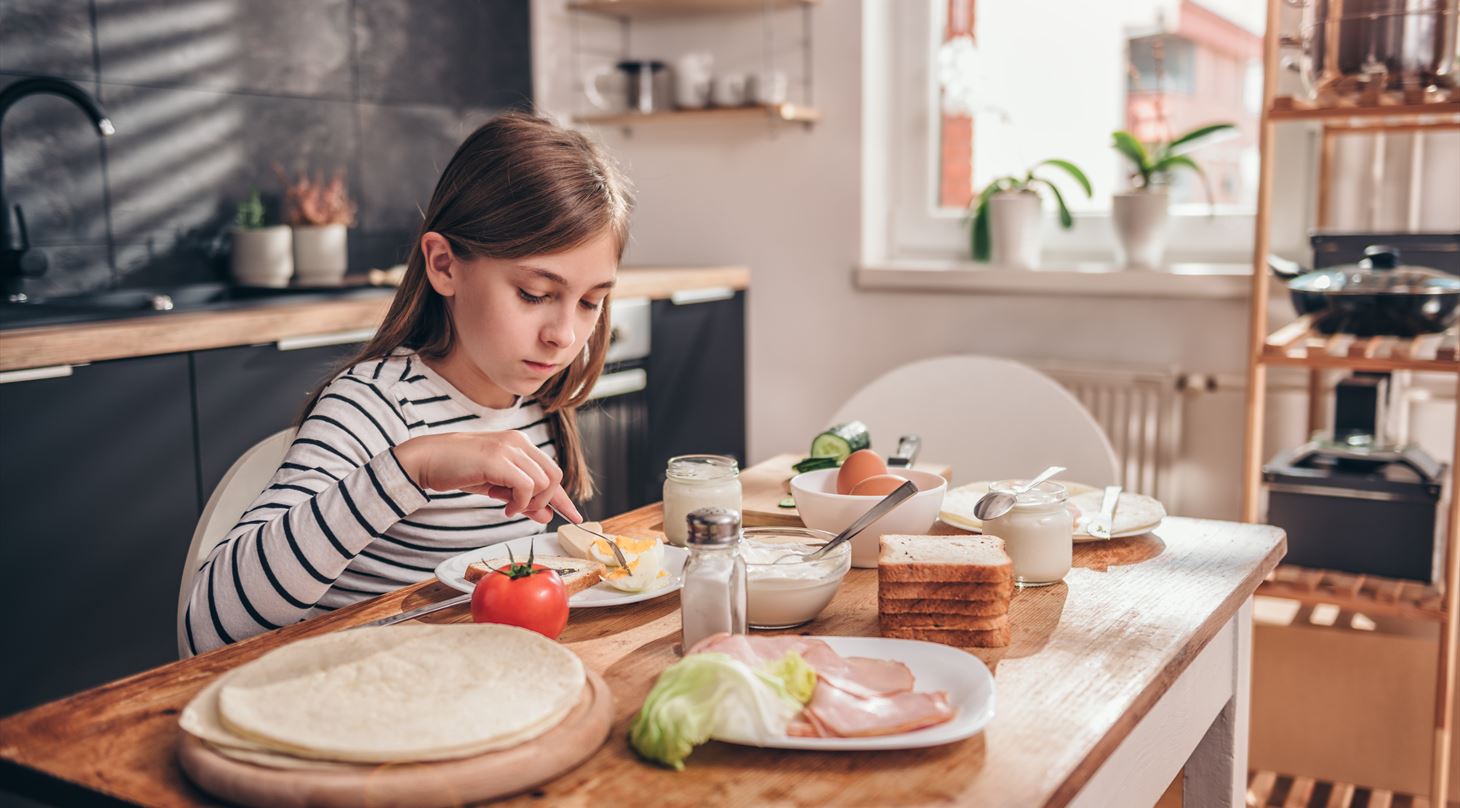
pixel 520 321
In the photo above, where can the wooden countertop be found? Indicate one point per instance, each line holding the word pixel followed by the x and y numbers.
pixel 79 343
pixel 1090 657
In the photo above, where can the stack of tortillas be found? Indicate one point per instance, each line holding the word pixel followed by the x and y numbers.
pixel 389 695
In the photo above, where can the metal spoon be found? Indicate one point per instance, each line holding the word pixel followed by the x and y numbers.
pixel 613 545
pixel 887 503
pixel 996 503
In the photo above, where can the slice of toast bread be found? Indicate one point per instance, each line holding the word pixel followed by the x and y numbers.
pixel 977 559
pixel 578 574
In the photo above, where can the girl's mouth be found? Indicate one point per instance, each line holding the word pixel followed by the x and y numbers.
pixel 539 367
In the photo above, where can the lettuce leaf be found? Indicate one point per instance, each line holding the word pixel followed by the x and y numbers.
pixel 714 695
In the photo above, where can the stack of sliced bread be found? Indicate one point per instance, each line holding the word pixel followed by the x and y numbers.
pixel 949 589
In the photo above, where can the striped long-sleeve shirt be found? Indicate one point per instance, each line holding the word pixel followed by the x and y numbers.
pixel 341 521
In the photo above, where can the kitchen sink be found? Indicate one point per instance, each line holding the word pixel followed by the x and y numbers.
pixel 161 300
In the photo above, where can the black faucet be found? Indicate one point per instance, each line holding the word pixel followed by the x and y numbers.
pixel 19 261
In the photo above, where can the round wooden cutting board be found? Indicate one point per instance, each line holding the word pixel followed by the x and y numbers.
pixel 451 782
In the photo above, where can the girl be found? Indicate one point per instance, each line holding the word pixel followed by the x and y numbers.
pixel 454 428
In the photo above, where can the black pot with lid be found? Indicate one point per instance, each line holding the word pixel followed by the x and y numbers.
pixel 1379 296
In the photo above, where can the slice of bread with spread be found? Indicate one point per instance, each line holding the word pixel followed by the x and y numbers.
pixel 577 573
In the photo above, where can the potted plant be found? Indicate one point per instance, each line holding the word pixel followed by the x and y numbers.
pixel 1141 213
pixel 1006 215
pixel 261 255
pixel 319 211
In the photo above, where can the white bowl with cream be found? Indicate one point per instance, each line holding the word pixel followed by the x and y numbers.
pixel 822 508
pixel 793 592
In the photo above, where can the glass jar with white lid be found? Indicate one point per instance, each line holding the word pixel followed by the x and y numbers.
pixel 1038 532
pixel 697 481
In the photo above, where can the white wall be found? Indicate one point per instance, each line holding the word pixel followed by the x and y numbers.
pixel 786 202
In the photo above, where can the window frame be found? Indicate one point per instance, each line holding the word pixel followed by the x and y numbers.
pixel 901 147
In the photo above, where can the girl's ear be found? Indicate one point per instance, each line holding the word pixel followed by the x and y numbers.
pixel 440 263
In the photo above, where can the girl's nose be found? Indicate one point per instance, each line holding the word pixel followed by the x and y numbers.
pixel 559 332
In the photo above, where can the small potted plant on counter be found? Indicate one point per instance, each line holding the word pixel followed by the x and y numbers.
pixel 1140 214
pixel 1006 215
pixel 261 255
pixel 320 212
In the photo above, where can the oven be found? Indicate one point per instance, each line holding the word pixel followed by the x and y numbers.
pixel 614 422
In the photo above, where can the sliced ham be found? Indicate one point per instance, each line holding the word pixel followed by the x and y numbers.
pixel 859 676
pixel 842 714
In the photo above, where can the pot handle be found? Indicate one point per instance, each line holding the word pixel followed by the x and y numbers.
pixel 1381 256
pixel 1283 268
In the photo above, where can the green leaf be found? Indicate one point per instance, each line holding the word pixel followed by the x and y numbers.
pixel 1172 161
pixel 1126 144
pixel 980 240
pixel 1066 220
pixel 1073 170
pixel 1197 134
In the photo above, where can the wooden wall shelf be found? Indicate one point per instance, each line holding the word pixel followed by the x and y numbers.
pixel 659 8
pixel 783 113
pixel 1370 595
pixel 1392 109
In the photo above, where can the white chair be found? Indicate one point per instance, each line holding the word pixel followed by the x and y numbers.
pixel 240 485
pixel 988 418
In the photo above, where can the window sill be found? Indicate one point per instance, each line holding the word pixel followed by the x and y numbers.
pixel 1077 279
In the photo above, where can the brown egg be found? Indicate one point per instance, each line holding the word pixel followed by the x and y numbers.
pixel 878 486
pixel 858 466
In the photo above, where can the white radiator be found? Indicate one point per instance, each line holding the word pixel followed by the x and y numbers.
pixel 1140 411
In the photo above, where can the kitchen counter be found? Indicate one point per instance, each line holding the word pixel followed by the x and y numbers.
pixel 280 319
pixel 1133 667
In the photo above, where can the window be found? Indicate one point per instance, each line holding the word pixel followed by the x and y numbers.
pixel 1008 84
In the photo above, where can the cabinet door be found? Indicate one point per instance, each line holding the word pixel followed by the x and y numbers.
pixel 248 393
pixel 98 500
pixel 696 382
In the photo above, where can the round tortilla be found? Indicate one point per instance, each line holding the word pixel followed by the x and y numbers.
pixel 393 694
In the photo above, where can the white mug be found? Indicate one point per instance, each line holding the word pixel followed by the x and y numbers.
pixel 598 95
pixel 728 90
pixel 769 87
pixel 692 81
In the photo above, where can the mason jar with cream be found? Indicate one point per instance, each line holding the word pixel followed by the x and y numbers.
pixel 1038 533
pixel 698 481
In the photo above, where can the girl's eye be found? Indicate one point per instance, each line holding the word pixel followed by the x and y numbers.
pixel 528 297
pixel 590 305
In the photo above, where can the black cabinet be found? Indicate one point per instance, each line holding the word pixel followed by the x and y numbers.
pixel 696 382
pixel 98 500
pixel 247 394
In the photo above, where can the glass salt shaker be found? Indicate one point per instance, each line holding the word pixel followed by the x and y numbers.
pixel 713 598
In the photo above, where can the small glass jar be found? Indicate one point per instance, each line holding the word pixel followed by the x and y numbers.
pixel 697 481
pixel 1038 532
pixel 713 598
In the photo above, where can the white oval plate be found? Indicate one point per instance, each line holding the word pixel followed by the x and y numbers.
pixel 452 571
pixel 963 676
pixel 1077 491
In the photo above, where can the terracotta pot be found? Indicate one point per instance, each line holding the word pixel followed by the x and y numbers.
pixel 1140 227
pixel 262 256
pixel 1014 229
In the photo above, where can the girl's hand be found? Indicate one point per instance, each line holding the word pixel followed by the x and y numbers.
pixel 501 465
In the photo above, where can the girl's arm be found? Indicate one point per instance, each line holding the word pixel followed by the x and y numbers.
pixel 339 487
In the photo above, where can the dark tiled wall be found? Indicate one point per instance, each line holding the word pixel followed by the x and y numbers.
pixel 207 95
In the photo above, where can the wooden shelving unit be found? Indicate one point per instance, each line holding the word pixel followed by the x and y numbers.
pixel 788 113
pixel 1298 345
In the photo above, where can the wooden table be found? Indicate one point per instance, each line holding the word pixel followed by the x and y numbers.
pixel 1135 665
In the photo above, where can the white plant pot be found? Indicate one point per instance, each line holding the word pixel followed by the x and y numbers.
pixel 1140 227
pixel 262 256
pixel 321 253
pixel 1014 229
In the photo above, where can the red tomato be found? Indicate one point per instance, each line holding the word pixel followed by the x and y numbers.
pixel 536 600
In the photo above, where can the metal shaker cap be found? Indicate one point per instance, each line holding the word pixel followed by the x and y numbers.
pixel 713 526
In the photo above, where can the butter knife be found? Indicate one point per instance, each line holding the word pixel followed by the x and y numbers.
pixel 459 600
pixel 906 453
pixel 1104 523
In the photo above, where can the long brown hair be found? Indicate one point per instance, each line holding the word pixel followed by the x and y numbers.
pixel 519 186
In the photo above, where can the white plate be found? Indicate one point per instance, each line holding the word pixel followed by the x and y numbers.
pixel 963 676
pixel 972 491
pixel 452 571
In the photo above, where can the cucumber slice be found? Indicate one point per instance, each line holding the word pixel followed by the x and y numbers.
pixel 788 502
pixel 815 463
pixel 841 440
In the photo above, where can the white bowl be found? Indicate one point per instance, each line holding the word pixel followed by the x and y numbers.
pixel 786 595
pixel 822 508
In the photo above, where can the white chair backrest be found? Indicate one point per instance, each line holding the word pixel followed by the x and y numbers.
pixel 988 418
pixel 240 485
